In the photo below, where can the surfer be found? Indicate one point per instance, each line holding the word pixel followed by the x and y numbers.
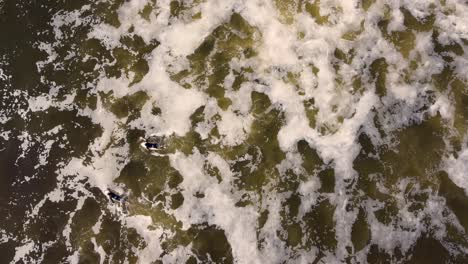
pixel 114 196
pixel 153 142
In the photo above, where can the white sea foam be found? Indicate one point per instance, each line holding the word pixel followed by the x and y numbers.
pixel 344 112
pixel 281 48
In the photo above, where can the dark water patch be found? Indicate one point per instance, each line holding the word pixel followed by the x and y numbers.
pixel 132 175
pixel 156 111
pixel 378 71
pixel 422 147
pixel 327 180
pixel 311 161
pixel 455 198
pixel 57 253
pixel 200 55
pixel 418 154
pixel 51 220
pixel 380 256
pixel 135 242
pixel 160 173
pixel 388 214
pixel 443 79
pixel 146 12
pixel 428 250
pixel 287 9
pixel 187 144
pixel 160 218
pixel 192 140
pixel 137 44
pixel 366 4
pixel 245 200
pixel 210 243
pixel 404 41
pixel 177 200
pixel 131 56
pixel 215 88
pixel 20 27
pixel 231 44
pixel 76 73
pixel 425 24
pixel 455 239
pixel 26 181
pixel 132 137
pixel 86 98
pixel 367 147
pixel 244 167
pixel 213 172
pixel 262 219
pixel 452 49
pixel 311 112
pixel 460 96
pixel 291 206
pixel 191 260
pixel 150 176
pixel 360 233
pixel 289 181
pixel 313 8
pixel 118 241
pixel 417 198
pixel 197 116
pixel 88 254
pixel 95 49
pixel 264 131
pixel 7 249
pixel 320 227
pixel 176 7
pixel 289 222
pixel 129 105
pixel 352 35
pixel 26 23
pixel 174 180
pixel 357 84
pixel 346 57
pixel 226 42
pixel 294 234
pixel 79 130
pixel 18 194
pixel 260 103
pixel 108 11
pixel 83 221
pixel 240 77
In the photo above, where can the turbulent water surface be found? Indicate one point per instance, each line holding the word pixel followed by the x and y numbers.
pixel 296 131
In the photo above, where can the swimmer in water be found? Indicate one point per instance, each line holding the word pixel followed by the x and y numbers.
pixel 115 197
pixel 153 143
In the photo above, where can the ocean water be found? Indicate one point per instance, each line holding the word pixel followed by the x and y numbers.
pixel 319 131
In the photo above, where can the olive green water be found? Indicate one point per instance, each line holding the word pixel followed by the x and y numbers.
pixel 401 176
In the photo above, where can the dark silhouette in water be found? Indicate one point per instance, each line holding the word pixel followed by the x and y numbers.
pixel 154 142
pixel 115 197
pixel 151 145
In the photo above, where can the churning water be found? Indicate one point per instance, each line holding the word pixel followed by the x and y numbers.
pixel 295 131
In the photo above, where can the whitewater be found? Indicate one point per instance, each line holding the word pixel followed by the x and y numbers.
pixel 295 131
